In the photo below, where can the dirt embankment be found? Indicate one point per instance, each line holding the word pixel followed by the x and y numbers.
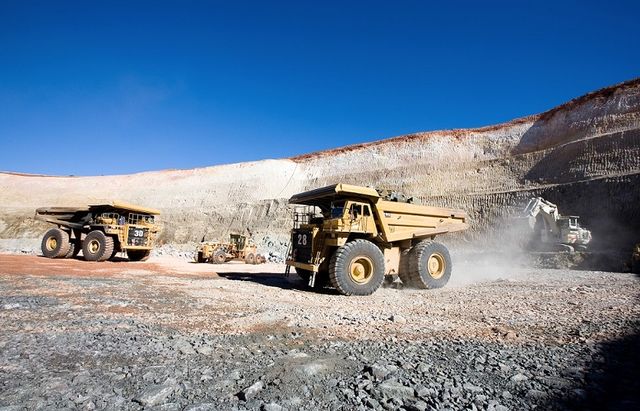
pixel 583 155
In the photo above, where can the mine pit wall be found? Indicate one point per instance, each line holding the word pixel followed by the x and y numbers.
pixel 583 156
pixel 209 202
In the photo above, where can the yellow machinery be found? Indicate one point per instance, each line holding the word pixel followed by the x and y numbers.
pixel 351 237
pixel 237 248
pixel 99 230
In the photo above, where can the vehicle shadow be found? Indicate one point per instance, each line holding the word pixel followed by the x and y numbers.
pixel 81 258
pixel 611 381
pixel 278 281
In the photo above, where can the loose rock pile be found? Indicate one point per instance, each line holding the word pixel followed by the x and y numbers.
pixel 133 339
pixel 128 365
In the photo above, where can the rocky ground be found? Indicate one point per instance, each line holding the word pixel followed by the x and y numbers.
pixel 171 335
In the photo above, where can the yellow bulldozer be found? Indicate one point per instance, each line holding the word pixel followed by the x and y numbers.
pixel 239 248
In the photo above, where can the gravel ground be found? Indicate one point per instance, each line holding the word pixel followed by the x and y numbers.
pixel 170 335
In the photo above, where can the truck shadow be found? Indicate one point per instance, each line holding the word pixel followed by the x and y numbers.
pixel 278 281
pixel 611 380
pixel 81 258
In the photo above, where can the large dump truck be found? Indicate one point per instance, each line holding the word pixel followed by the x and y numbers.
pixel 99 230
pixel 350 237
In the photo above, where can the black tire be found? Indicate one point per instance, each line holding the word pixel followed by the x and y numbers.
pixel 403 269
pixel 74 249
pixel 357 268
pixel 199 257
pixel 55 243
pixel 250 258
pixel 97 246
pixel 138 255
pixel 429 265
pixel 219 256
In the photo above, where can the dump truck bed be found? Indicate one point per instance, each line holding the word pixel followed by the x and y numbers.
pixel 404 221
pixel 77 217
pixel 397 221
pixel 72 217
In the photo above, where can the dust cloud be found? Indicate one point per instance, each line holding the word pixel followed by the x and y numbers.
pixel 498 257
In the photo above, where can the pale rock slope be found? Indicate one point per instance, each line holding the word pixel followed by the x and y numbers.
pixel 583 155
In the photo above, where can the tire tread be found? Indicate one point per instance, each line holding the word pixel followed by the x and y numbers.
pixel 338 267
pixel 418 275
pixel 62 237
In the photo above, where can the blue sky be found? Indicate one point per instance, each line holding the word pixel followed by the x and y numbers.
pixel 90 88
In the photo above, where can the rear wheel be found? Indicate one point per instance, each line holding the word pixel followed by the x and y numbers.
pixel 429 265
pixel 75 244
pixel 74 249
pixel 357 268
pixel 250 258
pixel 97 246
pixel 55 243
pixel 403 270
pixel 138 255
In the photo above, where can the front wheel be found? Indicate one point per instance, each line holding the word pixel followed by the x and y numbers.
pixel 357 268
pixel 138 255
pixel 219 257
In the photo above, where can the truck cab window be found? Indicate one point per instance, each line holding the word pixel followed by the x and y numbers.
pixel 337 209
pixel 355 211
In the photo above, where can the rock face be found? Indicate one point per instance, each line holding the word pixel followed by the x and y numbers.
pixel 583 155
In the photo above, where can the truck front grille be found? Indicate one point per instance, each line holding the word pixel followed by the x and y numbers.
pixel 138 236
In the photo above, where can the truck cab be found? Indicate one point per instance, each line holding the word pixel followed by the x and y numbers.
pixel 351 217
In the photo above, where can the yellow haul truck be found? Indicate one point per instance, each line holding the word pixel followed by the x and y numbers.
pixel 351 237
pixel 100 231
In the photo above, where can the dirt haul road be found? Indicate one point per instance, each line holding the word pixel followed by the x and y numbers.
pixel 172 335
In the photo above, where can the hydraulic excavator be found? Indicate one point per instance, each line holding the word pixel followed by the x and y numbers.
pixel 550 229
